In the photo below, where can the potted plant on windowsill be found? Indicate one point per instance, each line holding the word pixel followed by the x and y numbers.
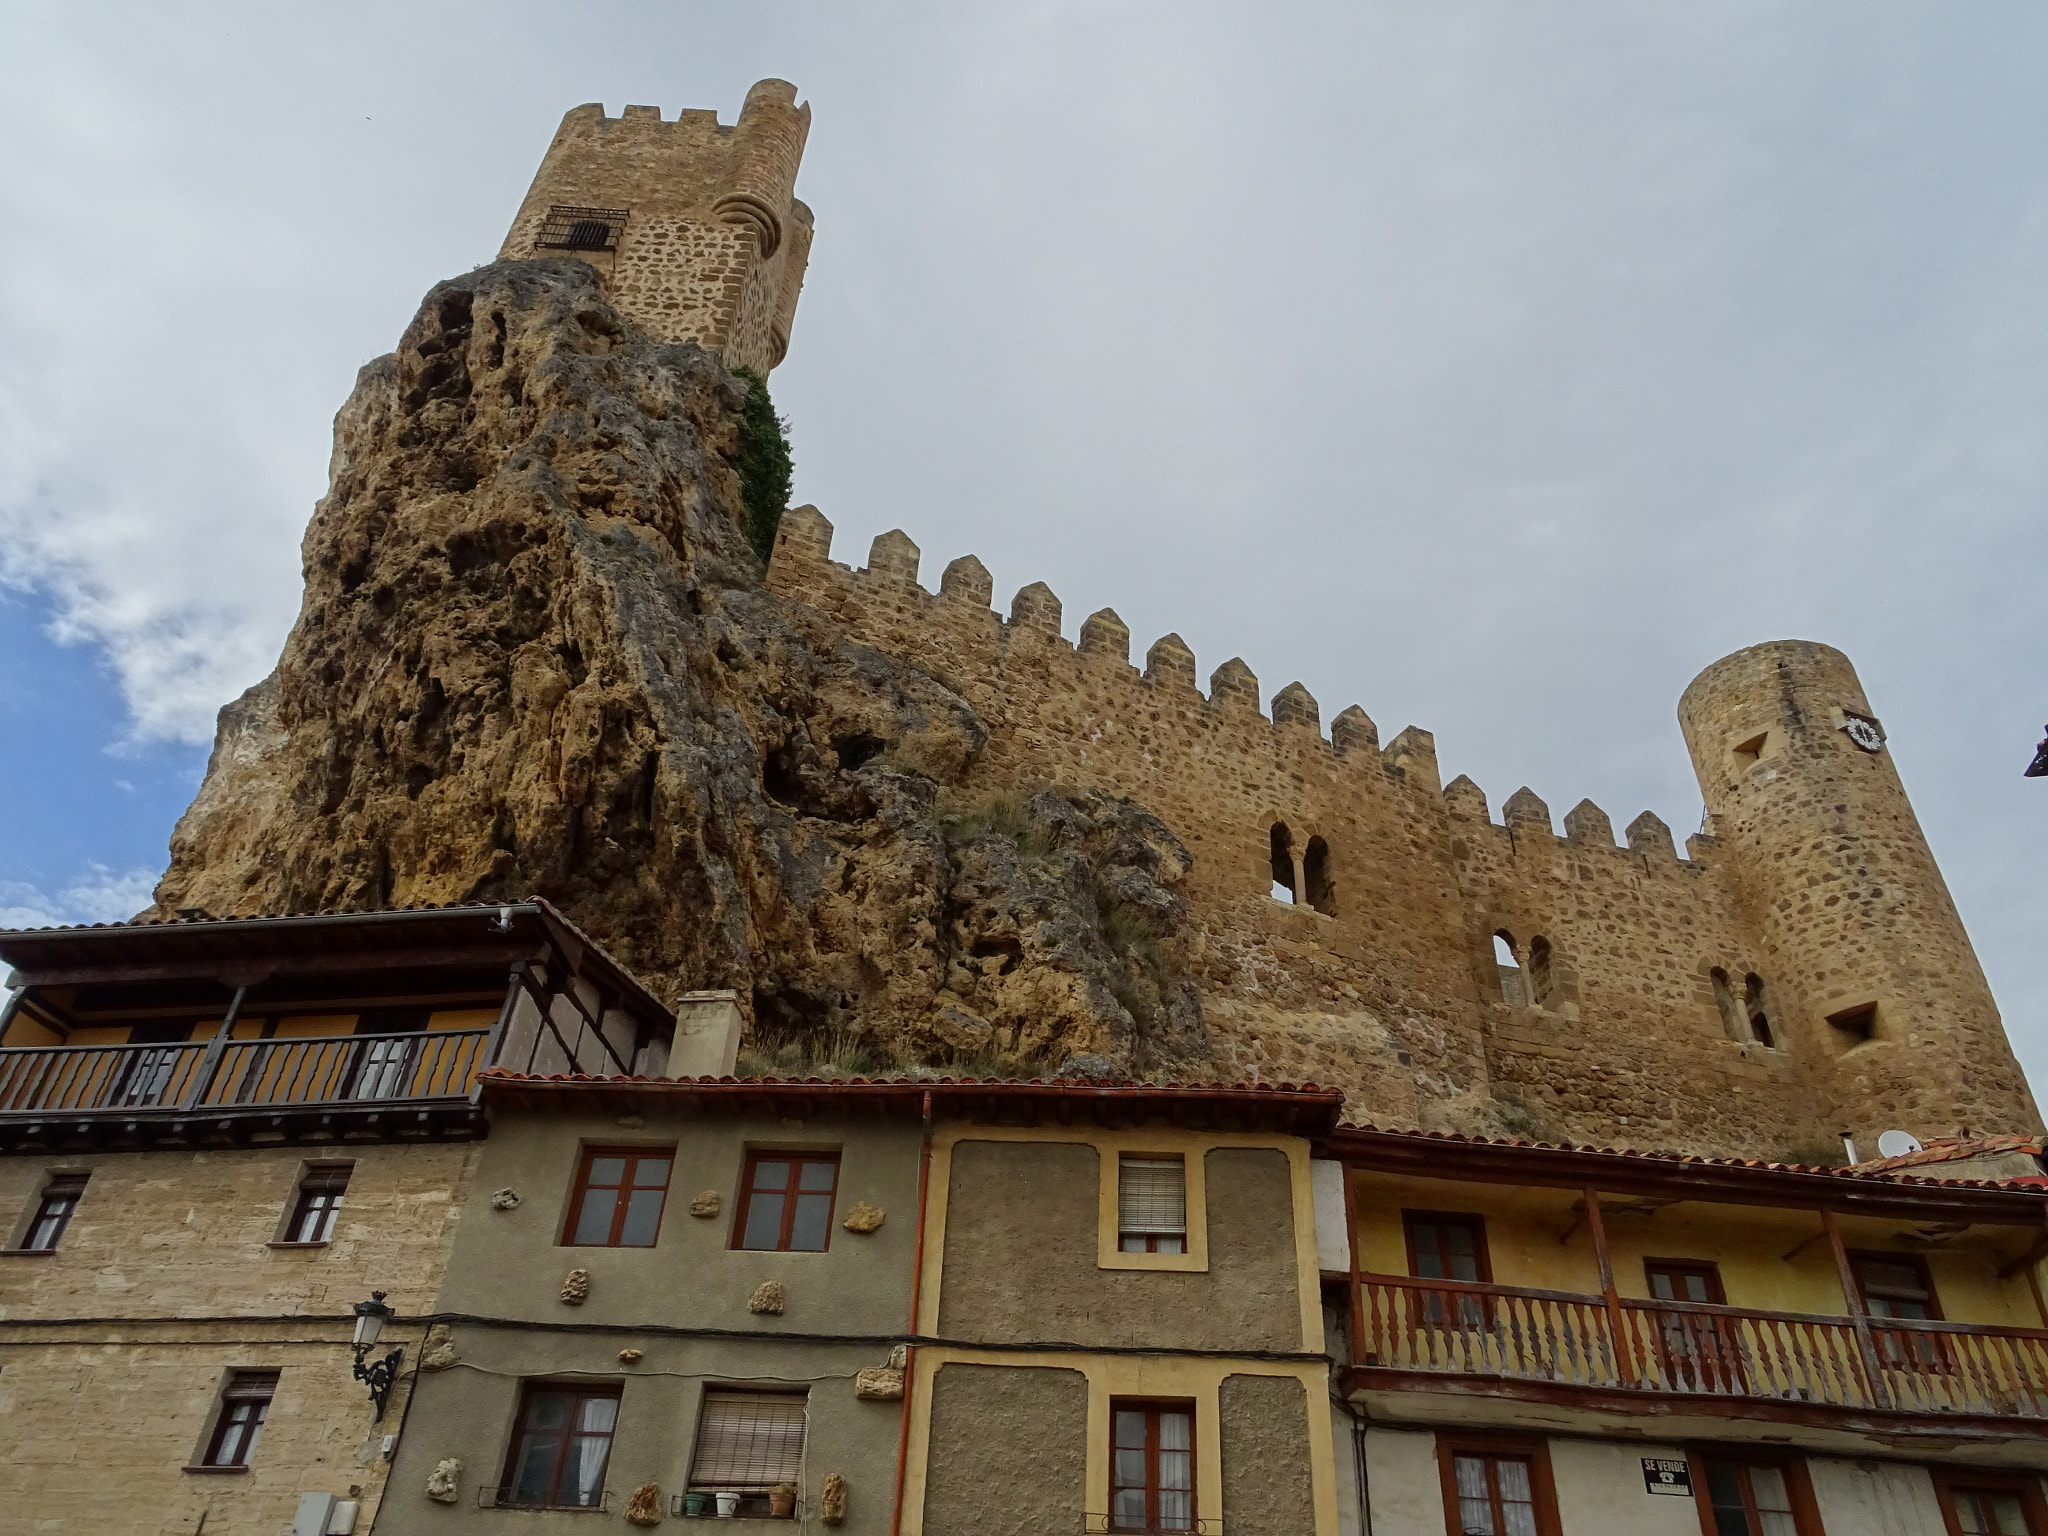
pixel 696 1502
pixel 782 1500
pixel 728 1500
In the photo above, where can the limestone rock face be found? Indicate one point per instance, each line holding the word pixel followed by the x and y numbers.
pixel 535 657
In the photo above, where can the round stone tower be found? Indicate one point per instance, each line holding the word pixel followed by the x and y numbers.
pixel 1868 976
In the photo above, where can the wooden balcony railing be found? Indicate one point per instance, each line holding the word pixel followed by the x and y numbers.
pixel 1506 1333
pixel 224 1074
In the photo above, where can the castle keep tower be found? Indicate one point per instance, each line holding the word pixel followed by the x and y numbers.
pixel 1875 983
pixel 693 226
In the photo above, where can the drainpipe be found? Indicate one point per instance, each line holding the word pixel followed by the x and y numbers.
pixel 924 1177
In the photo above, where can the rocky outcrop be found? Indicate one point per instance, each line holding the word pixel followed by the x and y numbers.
pixel 535 656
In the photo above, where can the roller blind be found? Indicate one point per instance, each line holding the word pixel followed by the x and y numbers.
pixel 749 1440
pixel 1152 1195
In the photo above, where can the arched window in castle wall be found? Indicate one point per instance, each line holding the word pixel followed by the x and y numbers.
pixel 1540 984
pixel 1753 1009
pixel 1283 863
pixel 1512 991
pixel 1733 1024
pixel 1317 885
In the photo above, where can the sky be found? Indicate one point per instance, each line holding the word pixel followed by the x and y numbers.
pixel 1493 364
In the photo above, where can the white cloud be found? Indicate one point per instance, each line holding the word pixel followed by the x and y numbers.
pixel 96 895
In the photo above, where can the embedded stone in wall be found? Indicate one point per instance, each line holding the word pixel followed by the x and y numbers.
pixel 1587 823
pixel 863 1217
pixel 706 1204
pixel 769 1298
pixel 832 1499
pixel 444 1483
pixel 505 1200
pixel 644 1506
pixel 437 1353
pixel 878 1384
pixel 575 1288
pixel 1295 705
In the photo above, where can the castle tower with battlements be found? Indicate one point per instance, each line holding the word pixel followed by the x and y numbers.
pixel 694 227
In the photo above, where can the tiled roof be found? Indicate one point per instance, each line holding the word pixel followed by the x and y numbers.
pixel 1950 1149
pixel 274 917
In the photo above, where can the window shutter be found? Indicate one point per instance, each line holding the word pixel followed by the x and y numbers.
pixel 1152 1195
pixel 748 1440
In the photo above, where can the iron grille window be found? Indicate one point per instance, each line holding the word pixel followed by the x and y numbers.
pixel 581 229
pixel 560 1447
pixel 1152 1205
pixel 619 1196
pixel 320 1193
pixel 244 1405
pixel 749 1443
pixel 53 1212
pixel 787 1202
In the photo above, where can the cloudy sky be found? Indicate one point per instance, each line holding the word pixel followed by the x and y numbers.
pixel 1493 364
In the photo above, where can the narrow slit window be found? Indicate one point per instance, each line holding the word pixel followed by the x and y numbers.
pixel 1282 841
pixel 1320 889
pixel 1152 1205
pixel 1752 751
pixel 1753 1007
pixel 620 1193
pixel 749 1443
pixel 244 1405
pixel 53 1212
pixel 318 1203
pixel 1513 990
pixel 786 1202
pixel 1853 1026
pixel 1540 984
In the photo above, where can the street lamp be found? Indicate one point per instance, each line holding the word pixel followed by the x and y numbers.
pixel 370 1316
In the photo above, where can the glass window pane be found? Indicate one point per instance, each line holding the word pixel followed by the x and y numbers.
pixel 1521 1519
pixel 1471 1472
pixel 1767 1484
pixel 584 1483
pixel 813 1224
pixel 1475 1517
pixel 1175 1512
pixel 1514 1478
pixel 1660 1285
pixel 1127 1510
pixel 2012 1521
pixel 549 1410
pixel 1130 1428
pixel 594 1225
pixel 607 1170
pixel 817 1176
pixel 1776 1524
pixel 1174 1429
pixel 1724 1484
pixel 771 1175
pixel 536 1464
pixel 599 1413
pixel 643 1219
pixel 651 1173
pixel 1130 1467
pixel 1176 1470
pixel 1129 1244
pixel 764 1221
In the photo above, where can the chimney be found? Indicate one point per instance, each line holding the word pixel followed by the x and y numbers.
pixel 707 1042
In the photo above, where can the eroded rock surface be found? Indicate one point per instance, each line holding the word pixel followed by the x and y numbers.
pixel 535 656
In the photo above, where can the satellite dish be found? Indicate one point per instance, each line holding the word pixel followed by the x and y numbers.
pixel 1897 1144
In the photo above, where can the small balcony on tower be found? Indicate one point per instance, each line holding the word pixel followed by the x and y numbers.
pixel 1674 1297
pixel 367 1025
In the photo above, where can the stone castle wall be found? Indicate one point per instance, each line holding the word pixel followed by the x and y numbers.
pixel 1392 991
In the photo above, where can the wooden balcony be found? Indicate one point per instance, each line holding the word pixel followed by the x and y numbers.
pixel 1608 1351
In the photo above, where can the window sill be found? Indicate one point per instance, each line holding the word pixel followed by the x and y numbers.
pixel 216 1471
pixel 28 1253
pixel 298 1246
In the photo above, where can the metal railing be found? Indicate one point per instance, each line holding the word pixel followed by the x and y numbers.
pixel 1458 1328
pixel 214 1075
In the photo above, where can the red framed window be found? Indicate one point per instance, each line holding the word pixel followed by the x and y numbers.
pixel 1978 1503
pixel 1152 1205
pixel 1449 1245
pixel 620 1192
pixel 1497 1486
pixel 1152 1472
pixel 244 1405
pixel 561 1444
pixel 53 1212
pixel 786 1202
pixel 319 1201
pixel 749 1443
pixel 1897 1285
pixel 1753 1496
pixel 1695 1353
